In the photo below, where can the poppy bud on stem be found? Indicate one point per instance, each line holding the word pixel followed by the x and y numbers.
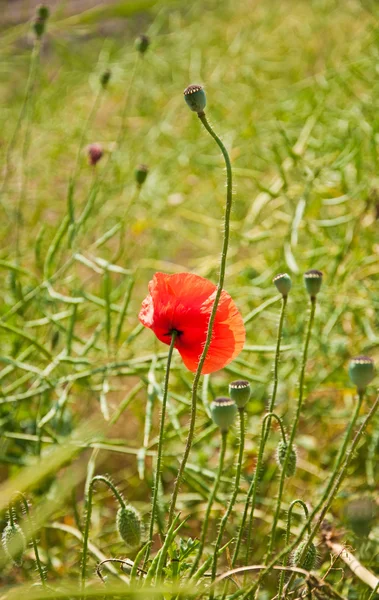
pixel 88 506
pixel 288 533
pixel 18 497
pixel 225 245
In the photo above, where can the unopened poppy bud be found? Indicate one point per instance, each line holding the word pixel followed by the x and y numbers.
pixel 142 43
pixel 129 526
pixel 223 412
pixel 141 173
pixel 105 77
pixel 240 392
pixel 43 12
pixel 313 281
pixel 283 283
pixel 361 371
pixel 39 27
pixel 308 561
pixel 195 98
pixel 95 152
pixel 281 456
pixel 14 543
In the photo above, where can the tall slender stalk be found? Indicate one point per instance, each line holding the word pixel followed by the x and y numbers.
pixel 195 385
pixel 251 495
pixel 233 498
pixel 160 445
pixel 212 496
pixel 293 428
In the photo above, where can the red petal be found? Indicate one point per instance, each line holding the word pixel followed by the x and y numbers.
pixel 184 302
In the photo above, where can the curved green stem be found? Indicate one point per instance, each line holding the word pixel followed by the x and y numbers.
pixel 293 429
pixel 288 533
pixel 213 494
pixel 160 445
pixel 21 498
pixel 232 501
pixel 119 497
pixel 195 385
pixel 251 494
pixel 337 481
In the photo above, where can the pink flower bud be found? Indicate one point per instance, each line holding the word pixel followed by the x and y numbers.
pixel 95 152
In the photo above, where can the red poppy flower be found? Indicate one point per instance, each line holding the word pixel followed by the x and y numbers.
pixel 183 303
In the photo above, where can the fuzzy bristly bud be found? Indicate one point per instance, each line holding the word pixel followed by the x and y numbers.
pixel 140 174
pixel 313 281
pixel 223 412
pixel 129 525
pixel 240 392
pixel 95 152
pixel 142 43
pixel 195 98
pixel 105 77
pixel 281 451
pixel 283 283
pixel 308 562
pixel 361 371
pixel 13 541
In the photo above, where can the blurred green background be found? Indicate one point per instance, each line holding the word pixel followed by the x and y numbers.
pixel 292 88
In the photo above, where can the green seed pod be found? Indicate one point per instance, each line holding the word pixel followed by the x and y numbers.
pixel 240 392
pixel 129 526
pixel 313 281
pixel 361 371
pixel 283 283
pixel 43 12
pixel 281 451
pixel 140 174
pixel 308 562
pixel 14 543
pixel 195 98
pixel 142 43
pixel 105 77
pixel 223 412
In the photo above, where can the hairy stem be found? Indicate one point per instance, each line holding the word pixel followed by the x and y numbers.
pixel 225 245
pixel 334 489
pixel 288 533
pixel 160 445
pixel 212 496
pixel 252 492
pixel 293 429
pixel 88 501
pixel 233 499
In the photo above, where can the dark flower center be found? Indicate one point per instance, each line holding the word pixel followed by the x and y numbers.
pixel 173 330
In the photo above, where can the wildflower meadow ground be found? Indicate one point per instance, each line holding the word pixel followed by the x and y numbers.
pixel 189 200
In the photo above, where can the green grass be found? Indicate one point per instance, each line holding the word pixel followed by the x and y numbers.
pixel 292 88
